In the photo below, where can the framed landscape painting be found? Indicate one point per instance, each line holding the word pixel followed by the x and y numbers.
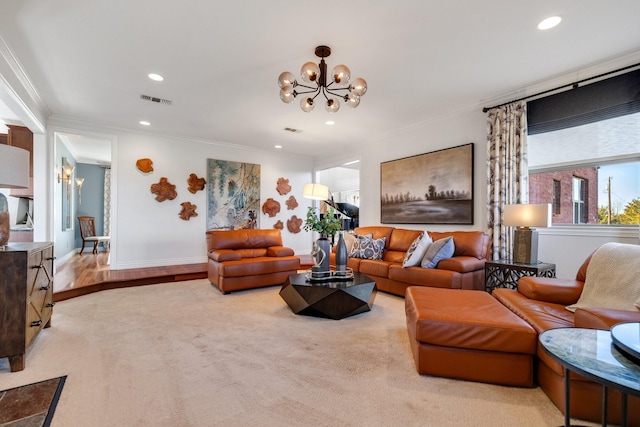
pixel 233 195
pixel 431 188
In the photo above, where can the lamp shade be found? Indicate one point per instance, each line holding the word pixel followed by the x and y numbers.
pixel 14 167
pixel 315 192
pixel 528 215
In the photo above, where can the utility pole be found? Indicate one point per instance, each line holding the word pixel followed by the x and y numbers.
pixel 609 200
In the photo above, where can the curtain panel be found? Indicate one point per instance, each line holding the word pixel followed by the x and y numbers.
pixel 507 171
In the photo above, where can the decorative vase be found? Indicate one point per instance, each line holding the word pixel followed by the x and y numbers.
pixel 324 251
pixel 341 254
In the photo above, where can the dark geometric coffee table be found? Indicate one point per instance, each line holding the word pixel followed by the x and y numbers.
pixel 331 299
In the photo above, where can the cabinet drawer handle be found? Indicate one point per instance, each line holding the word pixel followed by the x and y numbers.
pixel 51 304
pixel 37 266
pixel 51 258
pixel 36 323
pixel 44 288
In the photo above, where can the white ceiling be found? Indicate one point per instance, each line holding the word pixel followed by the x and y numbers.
pixel 89 60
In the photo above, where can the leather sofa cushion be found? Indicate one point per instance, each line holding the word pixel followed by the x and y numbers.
pixel 222 255
pixel 279 251
pixel 258 266
pixel 469 243
pixel 434 277
pixel 243 239
pixel 539 314
pixel 467 319
pixel 377 232
pixel 374 267
pixel 550 289
pixel 401 239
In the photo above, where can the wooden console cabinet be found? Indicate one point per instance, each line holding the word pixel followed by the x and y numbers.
pixel 26 297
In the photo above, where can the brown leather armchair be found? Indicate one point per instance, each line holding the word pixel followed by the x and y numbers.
pixel 541 302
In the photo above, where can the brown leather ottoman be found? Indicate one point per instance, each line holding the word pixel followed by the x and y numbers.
pixel 469 335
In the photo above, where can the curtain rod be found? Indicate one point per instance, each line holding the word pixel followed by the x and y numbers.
pixel 572 85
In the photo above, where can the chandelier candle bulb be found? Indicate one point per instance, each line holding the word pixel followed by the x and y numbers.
pixel 316 79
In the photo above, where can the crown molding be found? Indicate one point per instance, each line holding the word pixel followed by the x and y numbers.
pixel 27 113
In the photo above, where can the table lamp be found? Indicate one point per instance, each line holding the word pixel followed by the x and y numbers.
pixel 525 238
pixel 14 173
pixel 315 192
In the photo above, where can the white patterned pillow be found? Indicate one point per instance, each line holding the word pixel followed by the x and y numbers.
pixel 368 248
pixel 416 251
pixel 438 250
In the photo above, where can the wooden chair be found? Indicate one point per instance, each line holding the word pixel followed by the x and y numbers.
pixel 88 233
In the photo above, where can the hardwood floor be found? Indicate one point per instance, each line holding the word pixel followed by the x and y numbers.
pixel 87 273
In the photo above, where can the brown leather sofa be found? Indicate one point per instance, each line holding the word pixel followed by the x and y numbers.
pixel 248 258
pixel 465 270
pixel 541 303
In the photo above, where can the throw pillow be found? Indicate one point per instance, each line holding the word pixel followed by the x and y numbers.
pixel 416 251
pixel 437 251
pixel 349 241
pixel 368 248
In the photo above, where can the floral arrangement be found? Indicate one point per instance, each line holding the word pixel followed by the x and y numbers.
pixel 328 225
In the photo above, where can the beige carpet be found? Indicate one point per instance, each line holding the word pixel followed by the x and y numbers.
pixel 183 354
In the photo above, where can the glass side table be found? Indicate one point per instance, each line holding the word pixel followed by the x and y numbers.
pixel 504 273
pixel 590 353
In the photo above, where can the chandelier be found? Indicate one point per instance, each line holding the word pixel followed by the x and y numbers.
pixel 336 86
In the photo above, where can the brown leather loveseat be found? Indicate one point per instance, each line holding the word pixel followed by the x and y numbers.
pixel 248 258
pixel 465 270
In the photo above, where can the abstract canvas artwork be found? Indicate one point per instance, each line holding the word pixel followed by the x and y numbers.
pixel 233 195
pixel 431 188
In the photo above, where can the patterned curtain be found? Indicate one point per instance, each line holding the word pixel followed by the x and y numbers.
pixel 107 206
pixel 507 170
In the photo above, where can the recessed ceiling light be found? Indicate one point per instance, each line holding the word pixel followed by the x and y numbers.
pixel 156 77
pixel 549 22
pixel 330 122
pixel 278 146
pixel 144 123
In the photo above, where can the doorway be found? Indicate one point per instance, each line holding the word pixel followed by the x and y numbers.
pixel 344 186
pixel 83 163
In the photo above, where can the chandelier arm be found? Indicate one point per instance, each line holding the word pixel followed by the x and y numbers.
pixel 324 92
pixel 308 91
pixel 305 86
pixel 331 92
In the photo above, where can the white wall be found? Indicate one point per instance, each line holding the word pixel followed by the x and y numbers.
pixel 446 132
pixel 147 233
pixel 567 247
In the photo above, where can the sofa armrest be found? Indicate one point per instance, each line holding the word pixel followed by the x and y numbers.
pixel 222 255
pixel 461 264
pixel 279 251
pixel 603 318
pixel 550 289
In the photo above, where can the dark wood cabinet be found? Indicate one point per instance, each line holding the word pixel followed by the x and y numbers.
pixel 26 297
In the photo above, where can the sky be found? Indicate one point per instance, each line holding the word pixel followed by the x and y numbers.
pixel 625 184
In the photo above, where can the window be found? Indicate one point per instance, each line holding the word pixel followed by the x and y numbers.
pixel 579 198
pixel 557 195
pixel 583 149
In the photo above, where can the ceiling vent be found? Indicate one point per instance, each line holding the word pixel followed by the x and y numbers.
pixel 292 130
pixel 156 100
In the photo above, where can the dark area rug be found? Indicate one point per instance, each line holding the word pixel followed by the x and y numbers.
pixel 30 405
